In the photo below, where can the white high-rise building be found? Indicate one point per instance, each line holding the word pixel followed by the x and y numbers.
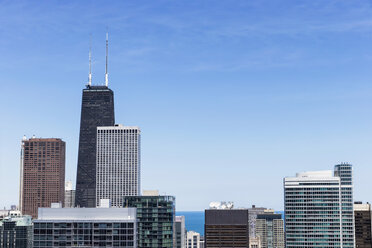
pixel 180 232
pixel 192 239
pixel 69 195
pixel 118 171
pixel 319 209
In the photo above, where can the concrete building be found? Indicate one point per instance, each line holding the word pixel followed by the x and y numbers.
pixel 16 231
pixel 226 227
pixel 42 174
pixel 193 240
pixel 69 195
pixel 180 232
pixel 253 212
pixel 254 242
pixel 319 209
pixel 362 215
pixel 118 163
pixel 270 230
pixel 85 227
pixel 156 219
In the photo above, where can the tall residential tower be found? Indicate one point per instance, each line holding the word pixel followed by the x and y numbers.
pixel 42 174
pixel 118 163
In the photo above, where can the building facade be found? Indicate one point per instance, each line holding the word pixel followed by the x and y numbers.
pixel 16 232
pixel 270 230
pixel 69 195
pixel 362 216
pixel 118 163
pixel 317 209
pixel 85 227
pixel 192 239
pixel 97 109
pixel 42 174
pixel 253 212
pixel 156 219
pixel 180 232
pixel 226 228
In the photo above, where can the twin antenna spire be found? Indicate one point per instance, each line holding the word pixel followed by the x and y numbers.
pixel 90 62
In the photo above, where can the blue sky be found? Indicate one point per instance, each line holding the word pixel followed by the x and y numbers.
pixel 231 96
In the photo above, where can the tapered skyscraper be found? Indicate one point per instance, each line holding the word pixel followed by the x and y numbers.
pixel 97 109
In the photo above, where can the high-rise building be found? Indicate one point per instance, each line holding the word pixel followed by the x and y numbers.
pixel 16 231
pixel 69 195
pixel 253 212
pixel 362 216
pixel 319 209
pixel 254 242
pixel 85 227
pixel 192 239
pixel 42 174
pixel 270 230
pixel 118 163
pixel 156 219
pixel 180 232
pixel 97 109
pixel 226 228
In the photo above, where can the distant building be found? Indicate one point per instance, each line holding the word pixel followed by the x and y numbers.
pixel 362 215
pixel 201 243
pixel 253 212
pixel 85 227
pixel 97 109
pixel 156 219
pixel 270 230
pixel 118 163
pixel 192 239
pixel 254 242
pixel 180 232
pixel 69 195
pixel 319 208
pixel 226 227
pixel 42 174
pixel 16 231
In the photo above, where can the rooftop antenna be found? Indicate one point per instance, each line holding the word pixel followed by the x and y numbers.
pixel 90 61
pixel 106 74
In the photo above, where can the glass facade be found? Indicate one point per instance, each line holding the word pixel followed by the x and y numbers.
pixel 319 209
pixel 16 232
pixel 156 220
pixel 83 234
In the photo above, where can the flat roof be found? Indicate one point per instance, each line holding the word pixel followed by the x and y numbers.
pixel 78 214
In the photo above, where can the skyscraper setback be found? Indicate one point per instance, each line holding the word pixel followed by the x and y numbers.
pixel 97 109
pixel 42 174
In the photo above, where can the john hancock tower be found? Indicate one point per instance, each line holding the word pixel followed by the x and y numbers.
pixel 97 109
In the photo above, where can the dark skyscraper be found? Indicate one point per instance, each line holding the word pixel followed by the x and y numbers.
pixel 97 109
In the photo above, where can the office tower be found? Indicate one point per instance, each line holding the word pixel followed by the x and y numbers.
pixel 192 239
pixel 97 109
pixel 317 208
pixel 226 227
pixel 362 216
pixel 155 215
pixel 180 232
pixel 16 231
pixel 253 212
pixel 69 195
pixel 118 163
pixel 85 227
pixel 42 174
pixel 270 229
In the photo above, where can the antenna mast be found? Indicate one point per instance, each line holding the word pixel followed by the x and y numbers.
pixel 90 61
pixel 106 74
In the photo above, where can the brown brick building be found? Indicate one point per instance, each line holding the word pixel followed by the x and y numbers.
pixel 42 174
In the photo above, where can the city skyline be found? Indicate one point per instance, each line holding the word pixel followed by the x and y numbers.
pixel 231 104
